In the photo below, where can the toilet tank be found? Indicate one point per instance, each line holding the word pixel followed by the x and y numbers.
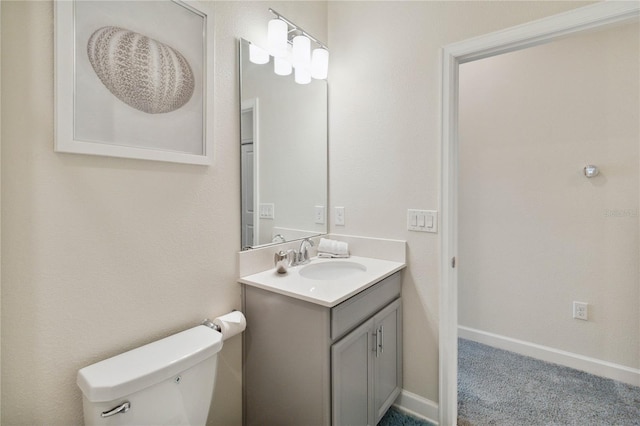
pixel 167 382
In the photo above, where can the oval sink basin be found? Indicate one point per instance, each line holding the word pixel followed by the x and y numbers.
pixel 332 270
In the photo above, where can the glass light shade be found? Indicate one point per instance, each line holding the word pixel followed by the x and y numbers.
pixel 320 64
pixel 302 75
pixel 282 66
pixel 301 51
pixel 258 55
pixel 277 31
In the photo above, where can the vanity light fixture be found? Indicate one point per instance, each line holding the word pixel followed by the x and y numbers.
pixel 290 47
pixel 282 66
pixel 302 75
pixel 277 38
pixel 320 63
pixel 258 55
pixel 301 52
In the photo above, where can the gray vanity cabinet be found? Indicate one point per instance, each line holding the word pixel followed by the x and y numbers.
pixel 388 364
pixel 306 364
pixel 366 369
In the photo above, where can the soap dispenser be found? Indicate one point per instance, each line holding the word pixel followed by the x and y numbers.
pixel 283 259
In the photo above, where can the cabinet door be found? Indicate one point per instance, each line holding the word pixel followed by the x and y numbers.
pixel 352 377
pixel 388 357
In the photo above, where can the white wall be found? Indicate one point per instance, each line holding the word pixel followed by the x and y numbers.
pixel 101 255
pixel 536 234
pixel 384 136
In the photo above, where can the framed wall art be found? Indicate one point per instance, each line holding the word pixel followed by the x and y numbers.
pixel 131 79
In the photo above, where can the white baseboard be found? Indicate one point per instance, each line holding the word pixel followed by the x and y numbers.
pixel 545 353
pixel 417 406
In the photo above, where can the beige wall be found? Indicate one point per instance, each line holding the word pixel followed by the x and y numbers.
pixel 384 136
pixel 536 233
pixel 102 254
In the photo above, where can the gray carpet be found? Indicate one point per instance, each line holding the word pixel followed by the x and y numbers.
pixel 395 417
pixel 497 387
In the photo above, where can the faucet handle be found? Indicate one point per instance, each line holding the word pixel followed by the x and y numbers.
pixel 303 253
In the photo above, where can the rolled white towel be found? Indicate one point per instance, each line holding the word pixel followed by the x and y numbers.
pixel 334 247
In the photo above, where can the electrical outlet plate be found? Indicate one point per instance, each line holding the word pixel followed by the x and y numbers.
pixel 339 216
pixel 319 215
pixel 581 310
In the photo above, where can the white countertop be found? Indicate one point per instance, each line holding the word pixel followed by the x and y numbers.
pixel 327 293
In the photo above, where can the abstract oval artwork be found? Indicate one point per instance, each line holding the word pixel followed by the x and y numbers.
pixel 142 72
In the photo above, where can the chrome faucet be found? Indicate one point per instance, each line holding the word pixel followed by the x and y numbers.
pixel 303 254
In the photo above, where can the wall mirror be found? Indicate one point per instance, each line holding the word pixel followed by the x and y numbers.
pixel 283 155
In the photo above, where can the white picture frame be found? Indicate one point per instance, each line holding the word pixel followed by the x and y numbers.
pixel 122 88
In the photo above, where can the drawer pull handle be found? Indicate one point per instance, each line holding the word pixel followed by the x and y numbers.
pixel 378 341
pixel 374 336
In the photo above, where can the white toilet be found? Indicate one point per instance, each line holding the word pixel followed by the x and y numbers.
pixel 167 382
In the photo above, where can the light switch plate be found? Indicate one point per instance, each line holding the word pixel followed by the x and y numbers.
pixel 267 211
pixel 422 220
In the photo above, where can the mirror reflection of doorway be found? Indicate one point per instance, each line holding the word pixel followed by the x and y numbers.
pixel 248 145
pixel 537 235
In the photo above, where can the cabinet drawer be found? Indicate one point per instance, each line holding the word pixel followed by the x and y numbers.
pixel 360 307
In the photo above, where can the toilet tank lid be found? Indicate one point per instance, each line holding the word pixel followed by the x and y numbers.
pixel 147 365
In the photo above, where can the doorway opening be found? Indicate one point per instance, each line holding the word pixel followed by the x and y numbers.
pixel 517 38
pixel 539 234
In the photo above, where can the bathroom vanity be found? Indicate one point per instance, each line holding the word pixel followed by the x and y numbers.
pixel 323 351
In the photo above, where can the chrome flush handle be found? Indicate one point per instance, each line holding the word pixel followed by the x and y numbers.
pixel 122 408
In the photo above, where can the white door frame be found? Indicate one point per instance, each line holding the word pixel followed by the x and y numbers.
pixel 252 105
pixel 520 37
